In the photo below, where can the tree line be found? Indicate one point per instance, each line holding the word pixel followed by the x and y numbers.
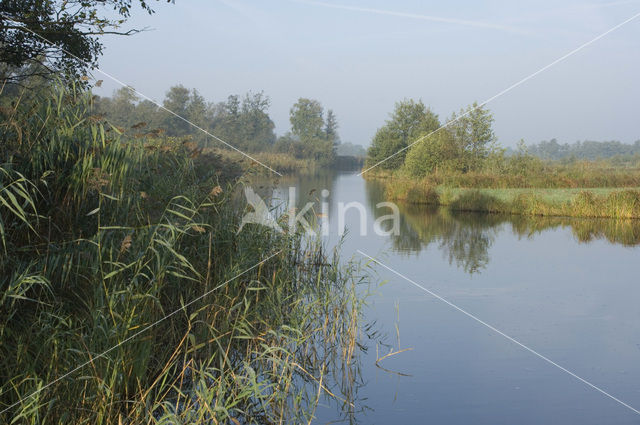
pixel 241 121
pixel 585 150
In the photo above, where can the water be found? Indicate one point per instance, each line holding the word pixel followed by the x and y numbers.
pixel 567 289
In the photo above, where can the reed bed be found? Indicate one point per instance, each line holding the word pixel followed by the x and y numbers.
pixel 588 202
pixel 536 174
pixel 280 162
pixel 102 237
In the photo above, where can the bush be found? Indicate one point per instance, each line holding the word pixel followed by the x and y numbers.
pixel 412 192
pixel 475 200
pixel 437 153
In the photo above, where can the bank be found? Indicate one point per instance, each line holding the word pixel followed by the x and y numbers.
pixel 601 202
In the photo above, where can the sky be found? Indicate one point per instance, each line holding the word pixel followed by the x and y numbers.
pixel 359 58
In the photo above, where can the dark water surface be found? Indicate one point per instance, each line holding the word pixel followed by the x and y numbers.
pixel 566 288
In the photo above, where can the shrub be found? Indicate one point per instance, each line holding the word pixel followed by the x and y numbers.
pixel 475 200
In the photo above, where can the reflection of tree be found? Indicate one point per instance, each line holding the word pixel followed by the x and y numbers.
pixel 468 247
pixel 465 238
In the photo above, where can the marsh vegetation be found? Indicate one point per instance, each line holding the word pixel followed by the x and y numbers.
pixel 128 296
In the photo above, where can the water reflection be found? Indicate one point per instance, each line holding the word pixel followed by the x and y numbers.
pixel 560 298
pixel 465 238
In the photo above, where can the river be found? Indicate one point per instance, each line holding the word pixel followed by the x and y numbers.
pixel 461 292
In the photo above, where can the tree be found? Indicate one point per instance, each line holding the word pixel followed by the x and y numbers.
pixel 43 37
pixel 474 134
pixel 123 105
pixel 197 113
pixel 412 119
pixel 588 149
pixel 177 101
pixel 331 128
pixel 308 126
pixel 257 127
pixel 523 163
pixel 245 124
pixel 437 152
pixel 384 147
pixel 409 121
pixel 306 119
pixel 147 115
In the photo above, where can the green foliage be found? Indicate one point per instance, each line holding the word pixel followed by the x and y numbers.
pixel 180 101
pixel 413 193
pixel 438 152
pixel 473 133
pixel 522 163
pixel 244 123
pixel 307 120
pixel 311 136
pixel 72 28
pixel 331 128
pixel 241 122
pixel 476 200
pixel 384 146
pixel 467 144
pixel 409 121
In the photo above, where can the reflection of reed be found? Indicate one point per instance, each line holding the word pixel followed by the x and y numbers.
pixel 624 232
pixel 390 354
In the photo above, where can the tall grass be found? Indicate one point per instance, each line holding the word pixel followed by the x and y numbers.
pixel 103 236
pixel 569 202
pixel 280 162
pixel 578 174
pixel 619 204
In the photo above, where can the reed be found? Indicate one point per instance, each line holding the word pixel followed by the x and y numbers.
pixel 103 236
pixel 569 202
pixel 280 162
pixel 412 192
pixel 549 175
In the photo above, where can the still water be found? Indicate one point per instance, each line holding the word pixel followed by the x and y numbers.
pixel 566 288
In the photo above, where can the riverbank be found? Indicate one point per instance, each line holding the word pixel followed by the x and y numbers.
pixel 127 293
pixel 599 202
pixel 285 163
pixel 281 162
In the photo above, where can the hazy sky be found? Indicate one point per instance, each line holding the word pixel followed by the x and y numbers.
pixel 358 58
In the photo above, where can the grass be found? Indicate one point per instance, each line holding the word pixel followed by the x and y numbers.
pixel 280 162
pixel 533 175
pixel 553 196
pixel 624 203
pixel 103 236
pixel 600 202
